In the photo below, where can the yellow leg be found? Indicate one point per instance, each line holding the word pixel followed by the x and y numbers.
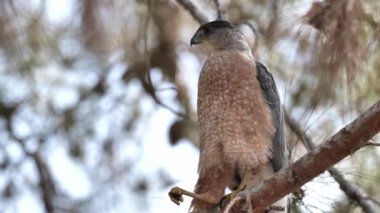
pixel 231 195
pixel 243 184
pixel 176 193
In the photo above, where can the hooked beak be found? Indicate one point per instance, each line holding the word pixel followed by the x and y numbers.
pixel 194 40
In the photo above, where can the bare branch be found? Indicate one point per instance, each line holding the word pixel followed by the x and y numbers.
pixel 295 128
pixel 348 140
pixel 352 191
pixel 372 144
pixel 371 21
pixel 46 183
pixel 374 200
pixel 194 11
pixel 147 81
pixel 218 10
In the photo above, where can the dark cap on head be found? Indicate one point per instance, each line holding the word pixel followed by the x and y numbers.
pixel 217 24
pixel 208 28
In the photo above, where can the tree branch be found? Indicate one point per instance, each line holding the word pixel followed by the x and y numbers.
pixel 218 9
pixel 372 144
pixel 348 140
pixel 194 11
pixel 352 191
pixel 46 183
pixel 147 80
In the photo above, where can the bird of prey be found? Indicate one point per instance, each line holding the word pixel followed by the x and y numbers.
pixel 239 117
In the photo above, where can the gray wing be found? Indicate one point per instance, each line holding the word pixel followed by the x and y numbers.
pixel 270 93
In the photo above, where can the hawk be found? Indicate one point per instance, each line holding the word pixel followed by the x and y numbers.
pixel 239 117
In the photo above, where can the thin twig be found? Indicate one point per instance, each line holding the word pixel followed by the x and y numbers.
pixel 166 89
pixel 318 117
pixel 179 114
pixel 46 183
pixel 148 81
pixel 372 144
pixel 194 11
pixel 295 128
pixel 232 203
pixel 218 10
pixel 373 200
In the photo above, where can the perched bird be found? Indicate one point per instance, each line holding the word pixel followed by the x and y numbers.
pixel 239 117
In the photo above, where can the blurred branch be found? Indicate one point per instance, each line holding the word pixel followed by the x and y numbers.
pixel 293 125
pixel 218 9
pixel 270 32
pixel 162 104
pixel 372 144
pixel 147 82
pixel 345 142
pixel 352 191
pixel 194 11
pixel 46 183
pixel 374 200
pixel 371 21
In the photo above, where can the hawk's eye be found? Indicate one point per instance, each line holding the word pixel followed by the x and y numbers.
pixel 208 30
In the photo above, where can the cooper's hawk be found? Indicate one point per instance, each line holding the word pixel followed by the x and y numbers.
pixel 239 117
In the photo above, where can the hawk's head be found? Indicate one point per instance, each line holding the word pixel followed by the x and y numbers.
pixel 219 35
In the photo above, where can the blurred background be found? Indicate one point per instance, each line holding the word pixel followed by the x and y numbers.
pixel 98 97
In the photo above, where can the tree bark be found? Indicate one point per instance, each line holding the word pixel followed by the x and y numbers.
pixel 353 192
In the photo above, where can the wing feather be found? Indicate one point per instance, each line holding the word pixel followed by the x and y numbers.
pixel 269 89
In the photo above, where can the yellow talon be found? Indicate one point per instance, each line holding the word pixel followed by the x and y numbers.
pixel 233 194
pixel 176 195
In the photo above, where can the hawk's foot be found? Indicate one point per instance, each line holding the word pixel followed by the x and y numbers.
pixel 176 193
pixel 230 196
